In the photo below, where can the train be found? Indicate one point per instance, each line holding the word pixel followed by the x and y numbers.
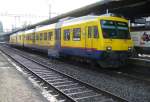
pixel 141 39
pixel 103 39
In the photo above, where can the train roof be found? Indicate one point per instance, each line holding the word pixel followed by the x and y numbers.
pixel 46 27
pixel 88 18
pixel 65 22
pixel 79 20
pixel 29 31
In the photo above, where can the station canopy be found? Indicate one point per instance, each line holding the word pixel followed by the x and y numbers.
pixel 130 9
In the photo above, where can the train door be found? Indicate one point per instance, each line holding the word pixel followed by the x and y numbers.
pixel 95 35
pixel 55 51
pixel 33 38
pixel 88 38
pixel 23 38
pixel 92 38
pixel 57 38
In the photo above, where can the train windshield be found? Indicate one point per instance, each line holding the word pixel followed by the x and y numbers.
pixel 115 29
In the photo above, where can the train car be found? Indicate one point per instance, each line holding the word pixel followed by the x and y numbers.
pixel 28 41
pixel 12 40
pixel 16 39
pixel 40 38
pixel 141 39
pixel 20 39
pixel 102 39
pixel 45 37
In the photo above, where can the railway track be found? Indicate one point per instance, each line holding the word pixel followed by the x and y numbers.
pixel 72 90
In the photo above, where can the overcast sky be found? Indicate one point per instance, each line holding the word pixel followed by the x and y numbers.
pixel 16 12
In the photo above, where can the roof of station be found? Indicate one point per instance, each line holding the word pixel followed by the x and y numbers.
pixel 130 9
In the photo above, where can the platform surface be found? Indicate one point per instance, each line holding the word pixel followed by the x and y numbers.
pixel 14 87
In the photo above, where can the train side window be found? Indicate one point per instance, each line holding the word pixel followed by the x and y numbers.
pixel 76 34
pixel 89 32
pixel 33 36
pixel 49 35
pixel 37 36
pixel 40 36
pixel 45 36
pixel 28 37
pixel 25 37
pixel 96 34
pixel 67 34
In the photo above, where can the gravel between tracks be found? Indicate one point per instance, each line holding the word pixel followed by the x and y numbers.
pixel 133 90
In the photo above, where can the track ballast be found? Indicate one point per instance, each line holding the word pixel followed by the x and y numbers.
pixel 72 89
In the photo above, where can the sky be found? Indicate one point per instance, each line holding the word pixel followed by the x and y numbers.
pixel 16 13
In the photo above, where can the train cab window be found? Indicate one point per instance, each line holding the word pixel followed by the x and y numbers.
pixel 90 32
pixel 45 36
pixel 41 36
pixel 49 35
pixel 96 34
pixel 67 34
pixel 76 34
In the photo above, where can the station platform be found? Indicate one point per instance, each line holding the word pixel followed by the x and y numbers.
pixel 14 86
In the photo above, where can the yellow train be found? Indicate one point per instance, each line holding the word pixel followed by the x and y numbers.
pixel 102 39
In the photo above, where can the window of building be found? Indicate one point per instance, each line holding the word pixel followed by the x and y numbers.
pixel 67 34
pixel 76 34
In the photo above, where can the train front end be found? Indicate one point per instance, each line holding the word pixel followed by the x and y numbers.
pixel 116 43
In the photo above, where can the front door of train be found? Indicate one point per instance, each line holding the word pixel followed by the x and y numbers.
pixel 91 39
pixel 88 40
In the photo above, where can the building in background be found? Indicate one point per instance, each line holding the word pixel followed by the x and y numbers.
pixel 1 27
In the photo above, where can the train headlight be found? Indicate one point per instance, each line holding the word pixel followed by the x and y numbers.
pixel 129 48
pixel 108 48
